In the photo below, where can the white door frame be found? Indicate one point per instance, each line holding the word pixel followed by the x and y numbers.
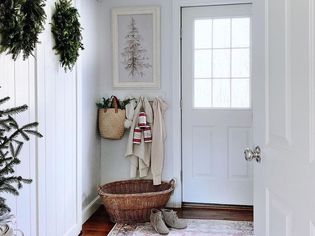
pixel 176 200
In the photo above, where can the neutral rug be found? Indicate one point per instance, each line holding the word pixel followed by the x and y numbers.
pixel 195 227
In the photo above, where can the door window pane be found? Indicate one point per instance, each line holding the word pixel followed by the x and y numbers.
pixel 240 93
pixel 240 32
pixel 240 63
pixel 221 63
pixel 203 63
pixel 221 93
pixel 222 66
pixel 203 33
pixel 202 93
pixel 221 33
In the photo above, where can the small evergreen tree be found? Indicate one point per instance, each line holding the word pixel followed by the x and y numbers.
pixel 11 142
pixel 135 59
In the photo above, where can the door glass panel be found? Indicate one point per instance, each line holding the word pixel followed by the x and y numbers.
pixel 221 63
pixel 222 66
pixel 203 33
pixel 240 63
pixel 203 63
pixel 240 93
pixel 203 90
pixel 240 32
pixel 221 93
pixel 221 33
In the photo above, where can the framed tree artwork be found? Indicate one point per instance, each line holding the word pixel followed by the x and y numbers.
pixel 136 47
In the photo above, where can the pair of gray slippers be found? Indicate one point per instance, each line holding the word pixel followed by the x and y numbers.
pixel 162 220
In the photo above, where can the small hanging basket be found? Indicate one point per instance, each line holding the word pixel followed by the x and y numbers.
pixel 111 121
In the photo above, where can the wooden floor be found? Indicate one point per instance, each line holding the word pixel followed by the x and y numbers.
pixel 100 225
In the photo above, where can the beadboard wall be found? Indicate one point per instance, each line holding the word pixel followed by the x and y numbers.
pixel 54 202
pixel 17 80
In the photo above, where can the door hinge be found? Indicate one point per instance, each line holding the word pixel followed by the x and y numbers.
pixel 181 104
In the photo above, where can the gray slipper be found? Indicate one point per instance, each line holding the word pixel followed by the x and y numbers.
pixel 171 219
pixel 156 219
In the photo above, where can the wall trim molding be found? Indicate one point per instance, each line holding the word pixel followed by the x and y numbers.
pixel 311 79
pixel 89 210
pixel 79 139
pixel 312 229
pixel 176 200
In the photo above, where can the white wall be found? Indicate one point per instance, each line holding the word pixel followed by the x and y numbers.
pixel 90 73
pixel 52 204
pixel 57 154
pixel 114 164
pixel 17 81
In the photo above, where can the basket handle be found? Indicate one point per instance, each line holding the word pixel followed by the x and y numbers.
pixel 100 191
pixel 115 103
pixel 173 183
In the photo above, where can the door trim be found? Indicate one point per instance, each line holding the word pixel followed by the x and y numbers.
pixel 176 200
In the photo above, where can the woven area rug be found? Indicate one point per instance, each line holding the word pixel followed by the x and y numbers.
pixel 195 227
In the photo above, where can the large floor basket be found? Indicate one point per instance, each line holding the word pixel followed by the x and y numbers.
pixel 131 201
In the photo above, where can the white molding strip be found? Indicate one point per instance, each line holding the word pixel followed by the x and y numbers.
pixel 311 80
pixel 176 199
pixel 73 231
pixel 312 229
pixel 90 209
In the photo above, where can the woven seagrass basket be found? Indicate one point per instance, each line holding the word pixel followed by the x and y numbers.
pixel 111 121
pixel 131 201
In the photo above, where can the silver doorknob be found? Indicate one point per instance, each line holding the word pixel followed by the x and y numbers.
pixel 250 154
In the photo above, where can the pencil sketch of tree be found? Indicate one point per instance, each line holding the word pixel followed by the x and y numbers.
pixel 134 55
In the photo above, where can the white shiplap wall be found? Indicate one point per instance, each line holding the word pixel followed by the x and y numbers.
pixel 17 81
pixel 51 205
pixel 57 157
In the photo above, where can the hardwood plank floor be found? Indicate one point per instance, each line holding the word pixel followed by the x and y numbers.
pixel 100 225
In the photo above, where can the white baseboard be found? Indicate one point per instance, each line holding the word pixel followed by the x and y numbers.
pixel 75 230
pixel 90 209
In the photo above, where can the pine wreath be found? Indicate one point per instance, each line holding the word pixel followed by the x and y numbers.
pixel 66 30
pixel 11 27
pixel 34 17
pixel 20 23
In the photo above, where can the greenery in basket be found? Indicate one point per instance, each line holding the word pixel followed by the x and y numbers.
pixel 66 30
pixel 107 103
pixel 21 21
pixel 11 142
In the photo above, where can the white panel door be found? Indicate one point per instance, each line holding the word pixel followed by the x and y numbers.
pixel 283 62
pixel 216 111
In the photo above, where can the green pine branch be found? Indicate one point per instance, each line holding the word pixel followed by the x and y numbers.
pixel 21 21
pixel 12 138
pixel 67 32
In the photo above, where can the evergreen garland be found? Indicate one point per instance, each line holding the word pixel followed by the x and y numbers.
pixel 66 30
pixel 34 20
pixel 11 27
pixel 20 23
pixel 11 136
pixel 106 103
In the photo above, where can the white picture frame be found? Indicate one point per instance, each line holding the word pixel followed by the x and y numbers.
pixel 136 47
